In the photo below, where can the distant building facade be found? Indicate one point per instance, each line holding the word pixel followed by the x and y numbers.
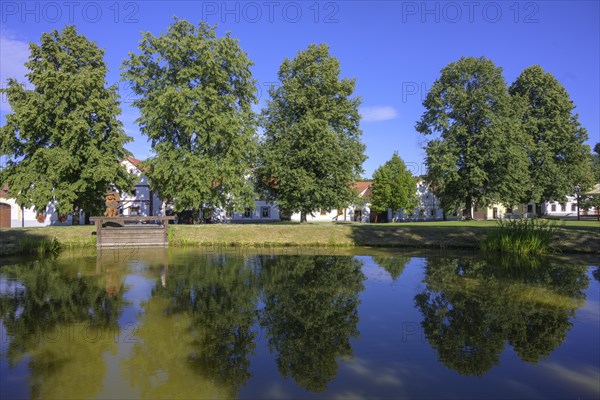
pixel 141 201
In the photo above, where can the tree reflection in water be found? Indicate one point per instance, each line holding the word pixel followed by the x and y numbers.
pixel 394 265
pixel 64 322
pixel 310 313
pixel 211 303
pixel 472 306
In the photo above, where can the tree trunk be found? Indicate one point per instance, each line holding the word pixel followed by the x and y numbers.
pixel 444 215
pixel 75 216
pixel 303 217
pixel 468 214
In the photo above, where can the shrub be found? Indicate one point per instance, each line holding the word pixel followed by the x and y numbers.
pixel 522 237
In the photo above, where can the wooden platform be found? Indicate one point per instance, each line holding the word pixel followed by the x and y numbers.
pixel 131 231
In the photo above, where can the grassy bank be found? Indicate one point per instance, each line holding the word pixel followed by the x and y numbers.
pixel 570 237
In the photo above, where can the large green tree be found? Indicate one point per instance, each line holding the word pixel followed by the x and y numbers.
pixel 478 157
pixel 195 97
pixel 311 149
pixel 393 187
pixel 63 138
pixel 558 159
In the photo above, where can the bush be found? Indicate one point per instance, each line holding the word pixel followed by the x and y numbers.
pixel 39 246
pixel 522 237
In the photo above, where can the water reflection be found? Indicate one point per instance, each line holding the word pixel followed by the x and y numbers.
pixel 218 295
pixel 394 265
pixel 310 314
pixel 472 306
pixel 63 321
pixel 190 324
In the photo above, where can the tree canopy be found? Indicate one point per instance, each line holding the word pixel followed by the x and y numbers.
pixel 558 158
pixel 195 97
pixel 393 186
pixel 63 138
pixel 311 149
pixel 478 157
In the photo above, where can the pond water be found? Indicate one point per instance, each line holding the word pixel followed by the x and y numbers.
pixel 151 323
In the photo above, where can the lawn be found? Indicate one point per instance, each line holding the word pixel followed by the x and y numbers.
pixel 574 236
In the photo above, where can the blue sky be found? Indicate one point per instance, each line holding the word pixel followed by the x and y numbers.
pixel 394 49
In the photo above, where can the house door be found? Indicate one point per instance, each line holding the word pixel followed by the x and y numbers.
pixel 358 215
pixel 4 215
pixel 495 213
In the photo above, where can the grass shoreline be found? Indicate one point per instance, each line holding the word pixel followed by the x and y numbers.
pixel 570 237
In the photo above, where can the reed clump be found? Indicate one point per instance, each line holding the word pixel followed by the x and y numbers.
pixel 522 237
pixel 39 246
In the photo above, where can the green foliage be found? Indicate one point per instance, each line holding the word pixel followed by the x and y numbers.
pixel 311 150
pixel 310 314
pixel 522 237
pixel 596 163
pixel 393 187
pixel 554 139
pixel 39 246
pixel 472 307
pixel 195 96
pixel 590 201
pixel 218 295
pixel 478 157
pixel 63 138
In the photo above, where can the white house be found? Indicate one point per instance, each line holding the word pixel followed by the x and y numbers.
pixel 13 216
pixel 428 207
pixel 355 212
pixel 142 201
pixel 263 211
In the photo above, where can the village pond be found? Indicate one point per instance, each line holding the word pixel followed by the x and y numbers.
pixel 188 323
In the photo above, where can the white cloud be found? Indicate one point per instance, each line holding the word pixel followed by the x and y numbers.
pixel 582 379
pixel 13 56
pixel 378 113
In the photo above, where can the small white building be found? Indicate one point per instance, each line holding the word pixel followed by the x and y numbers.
pixel 142 201
pixel 353 213
pixel 13 216
pixel 428 207
pixel 263 211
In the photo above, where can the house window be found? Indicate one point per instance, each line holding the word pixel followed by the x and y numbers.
pixel 563 207
pixel 265 212
pixel 509 210
pixel 134 210
pixel 553 207
pixel 133 192
pixel 229 214
pixel 247 212
pixel 529 208
pixel 421 212
pixel 432 212
pixel 573 207
pixel 323 211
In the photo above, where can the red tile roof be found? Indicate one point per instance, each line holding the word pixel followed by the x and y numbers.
pixel 363 188
pixel 134 161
